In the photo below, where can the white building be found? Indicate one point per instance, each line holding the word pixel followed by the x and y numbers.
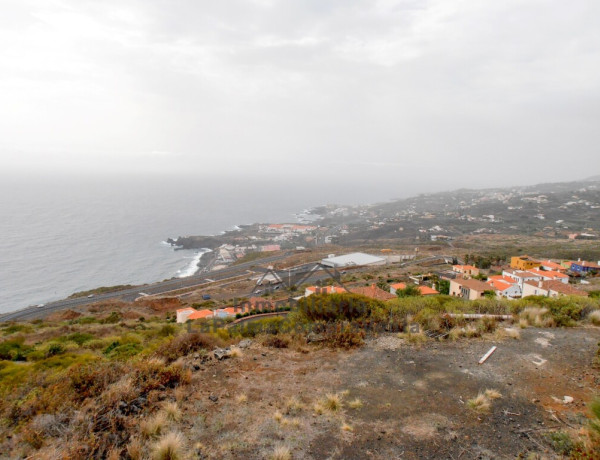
pixel 353 259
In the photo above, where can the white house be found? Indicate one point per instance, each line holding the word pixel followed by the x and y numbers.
pixel 521 276
pixel 550 275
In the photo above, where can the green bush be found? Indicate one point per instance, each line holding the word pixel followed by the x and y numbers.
pixel 122 351
pixel 332 307
pixel 14 349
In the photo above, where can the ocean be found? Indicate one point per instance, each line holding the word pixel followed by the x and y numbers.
pixel 63 234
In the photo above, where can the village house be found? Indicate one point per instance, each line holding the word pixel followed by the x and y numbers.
pixel 470 289
pixel 424 290
pixel 550 275
pixel 505 287
pixel 520 276
pixel 466 270
pixel 323 290
pixel 582 266
pixel 523 263
pixel 550 289
pixel 184 313
pixel 552 266
pixel 373 292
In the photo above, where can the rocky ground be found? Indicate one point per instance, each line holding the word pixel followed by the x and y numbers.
pixel 396 400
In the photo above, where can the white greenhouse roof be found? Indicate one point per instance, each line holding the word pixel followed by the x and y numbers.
pixel 355 258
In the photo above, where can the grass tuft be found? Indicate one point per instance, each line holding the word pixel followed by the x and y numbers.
pixel 346 427
pixel 293 405
pixel 332 402
pixel 492 394
pixel 356 403
pixel 169 447
pixel 241 399
pixel 281 452
pixel 172 411
pixel 594 317
pixel 480 403
pixel 155 425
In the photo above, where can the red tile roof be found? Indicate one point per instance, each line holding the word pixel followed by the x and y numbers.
pixel 201 314
pixel 326 289
pixel 548 273
pixel 425 290
pixel 374 292
pixel 558 286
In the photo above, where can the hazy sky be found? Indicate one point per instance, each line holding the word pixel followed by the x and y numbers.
pixel 468 92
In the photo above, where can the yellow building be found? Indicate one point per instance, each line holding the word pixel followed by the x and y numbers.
pixel 523 263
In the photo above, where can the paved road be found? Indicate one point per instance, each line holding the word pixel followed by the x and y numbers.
pixel 131 294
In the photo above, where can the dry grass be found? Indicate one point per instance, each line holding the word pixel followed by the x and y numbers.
pixel 155 425
pixel 492 394
pixel 523 323
pixel 278 416
pixel 480 403
pixel 595 317
pixel 236 352
pixel 356 403
pixel 318 408
pixel 172 411
pixel 293 405
pixel 332 402
pixel 169 447
pixel 242 399
pixel 123 390
pixel 538 317
pixel 293 422
pixel 134 449
pixel 346 427
pixel 508 332
pixel 281 452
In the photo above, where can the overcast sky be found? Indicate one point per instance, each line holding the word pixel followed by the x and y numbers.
pixel 472 92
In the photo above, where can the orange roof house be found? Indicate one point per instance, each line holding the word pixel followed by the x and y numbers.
pixel 373 292
pixel 469 270
pixel 550 275
pixel 184 313
pixel 551 265
pixel 425 290
pixel 323 290
pixel 201 314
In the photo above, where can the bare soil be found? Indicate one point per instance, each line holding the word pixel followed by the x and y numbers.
pixel 413 398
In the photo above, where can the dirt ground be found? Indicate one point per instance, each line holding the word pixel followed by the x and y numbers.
pixel 412 398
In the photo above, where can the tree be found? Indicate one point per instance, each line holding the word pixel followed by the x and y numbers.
pixel 411 290
pixel 443 287
pixel 490 294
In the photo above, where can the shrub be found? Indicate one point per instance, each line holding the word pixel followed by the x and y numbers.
pixel 77 337
pixel 113 318
pixel 167 330
pixel 185 344
pixel 276 341
pixel 331 307
pixel 561 442
pixel 153 374
pixel 89 380
pixel 344 336
pixel 14 349
pixel 119 351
